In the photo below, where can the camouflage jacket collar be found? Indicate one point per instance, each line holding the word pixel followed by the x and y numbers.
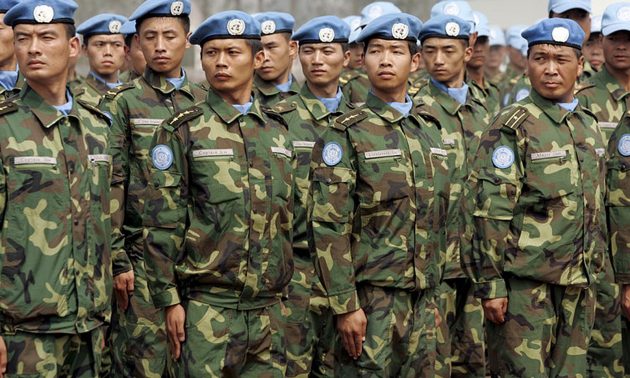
pixel 551 109
pixel 317 109
pixel 383 110
pixel 447 102
pixel 96 84
pixel 227 112
pixel 268 89
pixel 159 83
pixel 612 85
pixel 350 73
pixel 47 115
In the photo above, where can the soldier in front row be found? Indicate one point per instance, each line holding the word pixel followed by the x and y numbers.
pixel 55 179
pixel 537 195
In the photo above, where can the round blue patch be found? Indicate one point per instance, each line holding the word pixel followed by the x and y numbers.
pixel 624 145
pixel 503 157
pixel 162 157
pixel 332 153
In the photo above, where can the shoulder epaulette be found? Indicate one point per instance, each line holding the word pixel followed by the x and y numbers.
pixel 428 117
pixel 121 88
pixel 7 107
pixel 583 86
pixel 514 117
pixel 96 111
pixel 275 115
pixel 178 119
pixel 345 78
pixel 589 112
pixel 284 107
pixel 346 120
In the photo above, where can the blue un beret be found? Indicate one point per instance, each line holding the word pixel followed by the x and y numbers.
pixel 394 26
pixel 275 22
pixel 161 8
pixel 555 31
pixel 324 29
pixel 227 25
pixel 355 27
pixel 377 9
pixel 106 23
pixel 5 5
pixel 128 28
pixel 616 18
pixel 561 6
pixel 445 26
pixel 41 12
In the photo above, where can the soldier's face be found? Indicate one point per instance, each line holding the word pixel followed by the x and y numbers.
pixel 229 66
pixel 355 56
pixel 322 63
pixel 44 51
pixel 516 58
pixel 480 53
pixel 594 51
pixel 445 58
pixel 388 65
pixel 7 52
pixel 135 57
pixel 105 53
pixel 163 41
pixel 279 55
pixel 496 54
pixel 617 50
pixel 553 71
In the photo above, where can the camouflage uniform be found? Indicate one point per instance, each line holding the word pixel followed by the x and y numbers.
pixel 489 94
pixel 619 216
pixel 128 76
pixel 377 229
pixel 5 94
pixel 537 192
pixel 269 95
pixel 460 338
pixel 137 108
pixel 588 73
pixel 94 90
pixel 354 85
pixel 55 257
pixel 218 236
pixel 310 326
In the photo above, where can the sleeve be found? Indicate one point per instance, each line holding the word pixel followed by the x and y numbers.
pixel 165 216
pixel 119 147
pixel 492 196
pixel 332 208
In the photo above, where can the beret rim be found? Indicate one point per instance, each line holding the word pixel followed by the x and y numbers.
pixel 244 36
pixel 33 22
pixel 312 41
pixel 443 36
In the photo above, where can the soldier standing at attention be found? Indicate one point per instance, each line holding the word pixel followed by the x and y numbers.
pixel 273 79
pixel 55 179
pixel 104 46
pixel 353 72
pixel 134 58
pixel 219 219
pixel 379 187
pixel 139 341
pixel 482 88
pixel 310 324
pixel 593 50
pixel 496 55
pixel 11 81
pixel 537 190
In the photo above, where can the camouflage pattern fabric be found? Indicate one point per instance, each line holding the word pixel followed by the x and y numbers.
pixel 310 328
pixel 52 355
pixel 355 85
pixel 94 90
pixel 537 192
pixel 521 89
pixel 55 204
pixel 588 73
pixel 268 94
pixel 138 338
pixel 128 76
pixel 488 93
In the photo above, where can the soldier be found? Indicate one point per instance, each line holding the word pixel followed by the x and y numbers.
pixel 447 97
pixel 55 257
pixel 537 190
pixel 593 50
pixel 482 88
pixel 139 340
pixel 134 58
pixel 11 81
pixel 104 46
pixel 517 49
pixel 496 55
pixel 310 327
pixel 274 80
pixel 379 193
pixel 219 218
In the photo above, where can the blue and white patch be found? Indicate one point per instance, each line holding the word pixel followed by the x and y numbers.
pixel 162 157
pixel 521 94
pixel 332 153
pixel 503 157
pixel 624 145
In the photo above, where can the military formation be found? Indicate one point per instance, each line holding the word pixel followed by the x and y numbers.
pixel 435 199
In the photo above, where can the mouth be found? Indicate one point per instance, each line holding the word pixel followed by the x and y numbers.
pixel 386 74
pixel 551 84
pixel 318 72
pixel 161 59
pixel 35 63
pixel 222 76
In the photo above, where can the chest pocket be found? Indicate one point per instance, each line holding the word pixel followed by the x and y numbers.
pixel 281 172
pixel 217 175
pixel 551 174
pixel 383 176
pixel 142 130
pixel 100 165
pixel 618 180
pixel 33 177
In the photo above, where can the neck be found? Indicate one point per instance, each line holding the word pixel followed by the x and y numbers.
pixel 9 64
pixel 395 95
pixel 324 91
pixel 173 74
pixel 53 93
pixel 282 78
pixel 109 78
pixel 239 96
pixel 455 82
pixel 622 77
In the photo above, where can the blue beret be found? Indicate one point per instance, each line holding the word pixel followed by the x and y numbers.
pixel 128 28
pixel 41 12
pixel 482 26
pixel 377 9
pixel 5 5
pixel 161 8
pixel 324 29
pixel 106 23
pixel 394 26
pixel 497 38
pixel 555 31
pixel 561 6
pixel 515 39
pixel 226 25
pixel 616 18
pixel 275 22
pixel 596 24
pixel 459 9
pixel 355 27
pixel 445 26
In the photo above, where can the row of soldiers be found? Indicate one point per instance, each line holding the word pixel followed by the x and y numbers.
pixel 395 215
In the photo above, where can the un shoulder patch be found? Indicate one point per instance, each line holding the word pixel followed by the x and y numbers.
pixel 623 146
pixel 162 157
pixel 503 157
pixel 332 153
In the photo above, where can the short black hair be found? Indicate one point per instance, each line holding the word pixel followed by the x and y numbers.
pixel 71 30
pixel 129 39
pixel 185 20
pixel 256 45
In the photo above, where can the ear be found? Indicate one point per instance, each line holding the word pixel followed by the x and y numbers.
pixel 259 59
pixel 187 40
pixel 580 66
pixel 293 49
pixel 346 58
pixel 468 53
pixel 75 47
pixel 415 62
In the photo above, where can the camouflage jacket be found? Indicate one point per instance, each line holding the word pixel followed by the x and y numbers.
pixel 518 91
pixel 307 118
pixel 618 205
pixel 489 94
pixel 603 95
pixel 19 84
pixel 129 75
pixel 219 218
pixel 137 109
pixel 461 130
pixel 589 72
pixel 55 208
pixel 355 85
pixel 269 95
pixel 379 189
pixel 537 197
pixel 93 90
